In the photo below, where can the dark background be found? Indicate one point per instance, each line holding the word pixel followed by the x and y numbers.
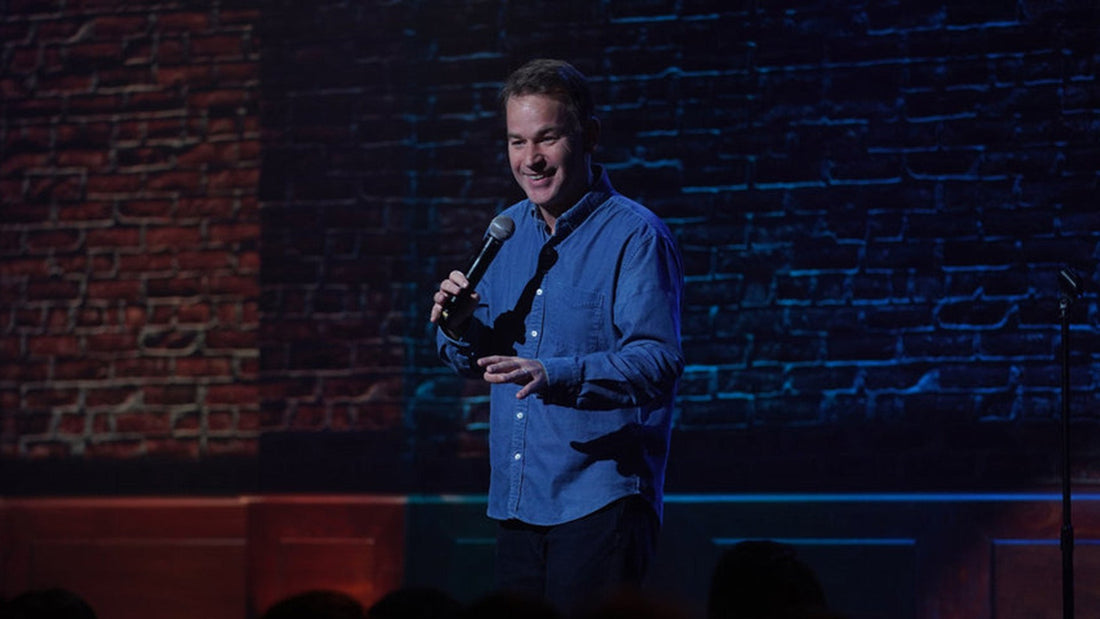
pixel 222 224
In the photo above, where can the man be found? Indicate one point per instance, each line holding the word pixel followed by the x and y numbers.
pixel 576 325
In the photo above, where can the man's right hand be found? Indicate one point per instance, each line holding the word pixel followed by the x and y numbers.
pixel 458 313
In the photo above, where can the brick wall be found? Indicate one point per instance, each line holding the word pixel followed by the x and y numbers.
pixel 872 201
pixel 131 149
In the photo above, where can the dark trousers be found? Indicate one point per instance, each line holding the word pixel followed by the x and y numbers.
pixel 577 562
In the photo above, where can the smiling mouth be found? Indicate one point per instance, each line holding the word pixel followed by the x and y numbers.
pixel 538 177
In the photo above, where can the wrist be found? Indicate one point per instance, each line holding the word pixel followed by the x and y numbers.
pixel 453 331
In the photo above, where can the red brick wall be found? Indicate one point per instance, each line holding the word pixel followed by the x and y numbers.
pixel 129 257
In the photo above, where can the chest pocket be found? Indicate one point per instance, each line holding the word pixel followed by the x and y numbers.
pixel 577 322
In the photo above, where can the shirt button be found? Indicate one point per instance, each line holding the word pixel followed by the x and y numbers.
pixel 539 292
pixel 518 456
pixel 534 333
pixel 519 415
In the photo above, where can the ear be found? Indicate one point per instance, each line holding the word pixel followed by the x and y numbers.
pixel 591 134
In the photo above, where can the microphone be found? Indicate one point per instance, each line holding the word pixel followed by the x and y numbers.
pixel 500 229
pixel 1069 283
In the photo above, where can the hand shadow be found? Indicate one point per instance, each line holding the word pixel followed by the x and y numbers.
pixel 628 447
pixel 508 329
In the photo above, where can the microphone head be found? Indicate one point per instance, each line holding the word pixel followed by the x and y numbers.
pixel 502 227
pixel 1069 283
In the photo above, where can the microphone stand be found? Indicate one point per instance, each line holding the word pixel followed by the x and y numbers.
pixel 1070 288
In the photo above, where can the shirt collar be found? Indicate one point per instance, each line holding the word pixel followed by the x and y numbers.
pixel 600 191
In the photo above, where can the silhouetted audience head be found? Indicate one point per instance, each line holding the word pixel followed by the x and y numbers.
pixel 510 605
pixel 53 603
pixel 319 604
pixel 763 579
pixel 415 603
pixel 632 604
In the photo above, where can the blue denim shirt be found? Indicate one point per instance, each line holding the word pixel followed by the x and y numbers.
pixel 598 303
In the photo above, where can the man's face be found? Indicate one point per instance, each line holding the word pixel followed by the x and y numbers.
pixel 547 152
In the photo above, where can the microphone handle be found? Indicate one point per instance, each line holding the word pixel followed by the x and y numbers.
pixel 473 275
pixel 481 262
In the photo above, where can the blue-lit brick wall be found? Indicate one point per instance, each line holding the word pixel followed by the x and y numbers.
pixel 872 200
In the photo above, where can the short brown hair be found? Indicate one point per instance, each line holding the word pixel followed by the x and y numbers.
pixel 545 76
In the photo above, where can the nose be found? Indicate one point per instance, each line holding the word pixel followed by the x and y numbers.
pixel 534 158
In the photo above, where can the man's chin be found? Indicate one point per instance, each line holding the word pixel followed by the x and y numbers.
pixel 540 200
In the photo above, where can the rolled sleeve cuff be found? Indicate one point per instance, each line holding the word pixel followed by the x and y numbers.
pixel 452 337
pixel 461 350
pixel 562 375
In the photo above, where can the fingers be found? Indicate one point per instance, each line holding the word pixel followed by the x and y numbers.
pixel 455 283
pixel 498 365
pixel 527 390
pixel 504 369
pixel 526 372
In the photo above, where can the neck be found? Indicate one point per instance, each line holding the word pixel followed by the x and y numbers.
pixel 551 219
pixel 550 214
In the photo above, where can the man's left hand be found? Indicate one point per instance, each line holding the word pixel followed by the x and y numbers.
pixel 526 372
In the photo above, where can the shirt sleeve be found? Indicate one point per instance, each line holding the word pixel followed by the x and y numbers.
pixel 460 351
pixel 647 360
